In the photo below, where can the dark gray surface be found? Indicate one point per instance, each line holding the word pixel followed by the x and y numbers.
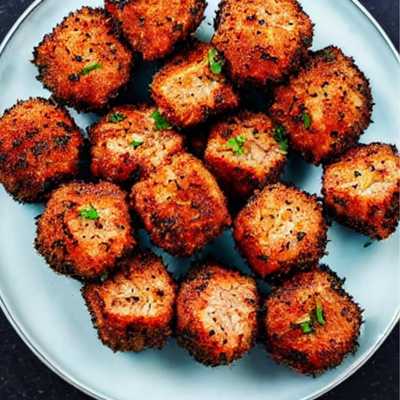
pixel 23 376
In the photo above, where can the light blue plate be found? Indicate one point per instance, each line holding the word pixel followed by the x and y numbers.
pixel 48 312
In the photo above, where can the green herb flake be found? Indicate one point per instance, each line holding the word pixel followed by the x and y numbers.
pixel 160 121
pixel 306 327
pixel 367 244
pixel 89 213
pixel 306 120
pixel 89 68
pixel 236 144
pixel 116 118
pixel 215 61
pixel 137 142
pixel 304 323
pixel 319 314
pixel 281 137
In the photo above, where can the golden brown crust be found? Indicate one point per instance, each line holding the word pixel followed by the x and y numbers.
pixel 217 314
pixel 361 189
pixel 326 107
pixel 133 309
pixel 262 160
pixel 262 40
pixel 76 245
pixel 153 27
pixel 82 61
pixel 281 229
pixel 40 147
pixel 328 343
pixel 181 206
pixel 187 92
pixel 126 142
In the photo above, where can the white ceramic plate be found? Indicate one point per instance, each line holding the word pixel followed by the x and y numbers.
pixel 49 314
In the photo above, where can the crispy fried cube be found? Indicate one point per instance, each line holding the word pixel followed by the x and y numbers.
pixel 85 229
pixel 187 91
pixel 83 62
pixel 361 189
pixel 217 314
pixel 311 323
pixel 326 107
pixel 243 153
pixel 133 309
pixel 262 40
pixel 281 229
pixel 154 27
pixel 127 142
pixel 181 205
pixel 40 147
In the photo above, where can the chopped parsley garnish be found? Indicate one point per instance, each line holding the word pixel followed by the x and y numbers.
pixel 305 323
pixel 89 213
pixel 281 138
pixel 236 144
pixel 306 120
pixel 160 121
pixel 116 117
pixel 137 142
pixel 319 313
pixel 306 327
pixel 215 61
pixel 308 322
pixel 89 68
pixel 367 244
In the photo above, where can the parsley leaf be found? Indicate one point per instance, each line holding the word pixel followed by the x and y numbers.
pixel 319 313
pixel 89 68
pixel 116 117
pixel 367 244
pixel 215 61
pixel 89 213
pixel 160 121
pixel 137 142
pixel 306 120
pixel 305 323
pixel 306 327
pixel 281 137
pixel 236 144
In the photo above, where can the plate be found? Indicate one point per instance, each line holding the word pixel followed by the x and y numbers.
pixel 48 311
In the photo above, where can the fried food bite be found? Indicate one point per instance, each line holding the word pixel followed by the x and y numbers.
pixel 133 309
pixel 83 62
pixel 187 91
pixel 130 141
pixel 217 314
pixel 311 323
pixel 361 189
pixel 40 147
pixel 154 27
pixel 244 154
pixel 85 229
pixel 281 229
pixel 326 107
pixel 181 206
pixel 262 40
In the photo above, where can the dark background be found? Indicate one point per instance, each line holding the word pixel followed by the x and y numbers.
pixel 23 376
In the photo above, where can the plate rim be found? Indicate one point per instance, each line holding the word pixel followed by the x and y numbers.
pixel 38 351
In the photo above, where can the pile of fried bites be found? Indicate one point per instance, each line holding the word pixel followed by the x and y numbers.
pixel 142 174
